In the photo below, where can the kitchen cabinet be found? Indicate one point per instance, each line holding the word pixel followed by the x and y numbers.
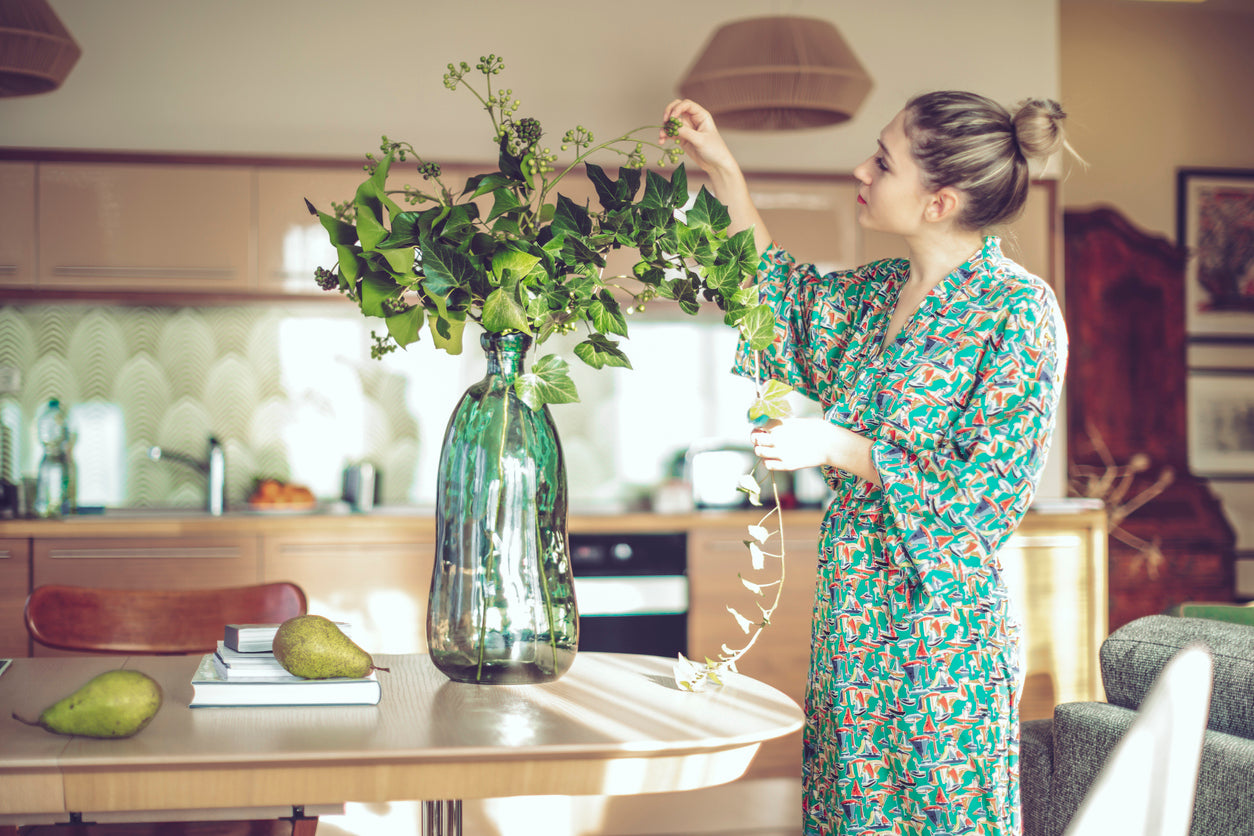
pixel 150 227
pixel 145 563
pixel 17 223
pixel 290 241
pixel 376 582
pixel 14 587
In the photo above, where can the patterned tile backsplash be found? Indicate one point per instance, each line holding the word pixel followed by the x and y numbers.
pixel 291 392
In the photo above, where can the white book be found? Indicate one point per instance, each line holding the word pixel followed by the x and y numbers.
pixel 236 673
pixel 257 638
pixel 210 688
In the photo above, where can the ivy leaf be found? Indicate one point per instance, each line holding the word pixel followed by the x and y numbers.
pixel 759 533
pixel 571 218
pixel 744 623
pixel 503 200
pixel 377 288
pixel 503 312
pixel 657 192
pixel 607 315
pixel 481 184
pixel 706 211
pixel 338 231
pixel 599 351
pixel 446 330
pixel 445 269
pixel 547 382
pixel 756 589
pixel 757 326
pixel 405 327
pixel 772 402
pixel 679 185
pixel 749 486
pixel 756 556
pixel 512 260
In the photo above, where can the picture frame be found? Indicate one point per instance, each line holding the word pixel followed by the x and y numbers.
pixel 1215 227
pixel 1221 423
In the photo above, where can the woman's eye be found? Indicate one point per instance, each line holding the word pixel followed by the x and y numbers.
pixel 879 161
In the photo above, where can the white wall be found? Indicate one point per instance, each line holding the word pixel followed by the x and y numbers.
pixel 315 77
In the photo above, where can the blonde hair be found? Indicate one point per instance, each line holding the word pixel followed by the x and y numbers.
pixel 971 143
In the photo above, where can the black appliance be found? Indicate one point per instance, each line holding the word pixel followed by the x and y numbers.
pixel 632 591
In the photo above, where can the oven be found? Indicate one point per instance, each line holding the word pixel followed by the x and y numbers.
pixel 632 592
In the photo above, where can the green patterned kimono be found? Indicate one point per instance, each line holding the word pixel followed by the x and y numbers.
pixel 912 698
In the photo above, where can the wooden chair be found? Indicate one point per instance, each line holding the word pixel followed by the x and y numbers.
pixel 152 621
pixel 160 622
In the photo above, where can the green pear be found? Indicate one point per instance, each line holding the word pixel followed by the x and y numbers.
pixel 114 704
pixel 313 647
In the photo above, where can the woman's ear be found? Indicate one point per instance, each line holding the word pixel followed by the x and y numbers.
pixel 944 204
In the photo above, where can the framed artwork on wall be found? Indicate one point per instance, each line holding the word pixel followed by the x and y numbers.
pixel 1215 226
pixel 1221 423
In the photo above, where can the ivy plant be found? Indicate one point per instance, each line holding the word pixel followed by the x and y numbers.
pixel 509 251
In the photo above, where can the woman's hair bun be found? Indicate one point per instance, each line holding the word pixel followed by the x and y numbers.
pixel 1038 128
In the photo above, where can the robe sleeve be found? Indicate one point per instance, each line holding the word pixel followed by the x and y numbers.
pixel 951 504
pixel 814 317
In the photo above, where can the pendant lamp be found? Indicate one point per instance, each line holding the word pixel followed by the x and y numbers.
pixel 777 73
pixel 36 50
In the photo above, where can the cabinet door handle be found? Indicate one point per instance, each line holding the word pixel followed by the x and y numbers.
pixel 7 269
pixel 106 272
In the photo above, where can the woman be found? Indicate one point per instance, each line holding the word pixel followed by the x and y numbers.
pixel 939 376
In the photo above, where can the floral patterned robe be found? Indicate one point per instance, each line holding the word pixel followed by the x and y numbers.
pixel 912 698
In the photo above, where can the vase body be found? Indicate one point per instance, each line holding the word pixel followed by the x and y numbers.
pixel 502 605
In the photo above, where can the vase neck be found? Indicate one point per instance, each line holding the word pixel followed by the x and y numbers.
pixel 506 353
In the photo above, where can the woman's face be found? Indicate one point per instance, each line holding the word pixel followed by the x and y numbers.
pixel 892 197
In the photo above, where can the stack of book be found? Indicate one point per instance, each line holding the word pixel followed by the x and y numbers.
pixel 243 671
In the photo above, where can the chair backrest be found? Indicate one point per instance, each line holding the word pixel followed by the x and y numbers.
pixel 153 621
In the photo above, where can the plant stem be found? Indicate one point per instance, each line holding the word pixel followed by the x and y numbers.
pixel 500 523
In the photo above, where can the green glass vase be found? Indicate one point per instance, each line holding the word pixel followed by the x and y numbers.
pixel 502 606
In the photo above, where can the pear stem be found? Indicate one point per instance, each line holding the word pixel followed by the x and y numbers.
pixel 24 720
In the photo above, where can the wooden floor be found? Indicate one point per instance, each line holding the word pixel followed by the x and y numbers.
pixel 746 808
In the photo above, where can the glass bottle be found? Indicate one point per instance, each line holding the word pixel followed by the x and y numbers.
pixel 502 604
pixel 54 480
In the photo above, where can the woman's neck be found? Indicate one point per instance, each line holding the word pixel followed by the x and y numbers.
pixel 932 258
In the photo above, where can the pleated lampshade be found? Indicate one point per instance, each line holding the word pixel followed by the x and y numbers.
pixel 777 73
pixel 36 50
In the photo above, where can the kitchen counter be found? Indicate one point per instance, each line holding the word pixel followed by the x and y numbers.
pixel 419 520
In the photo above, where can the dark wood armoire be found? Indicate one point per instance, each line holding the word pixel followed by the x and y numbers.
pixel 1126 391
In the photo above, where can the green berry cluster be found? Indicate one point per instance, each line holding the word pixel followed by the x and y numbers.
pixel 429 170
pixel 454 76
pixel 528 131
pixel 326 279
pixel 578 136
pixel 490 65
pixel 383 345
pixel 672 126
pixel 394 305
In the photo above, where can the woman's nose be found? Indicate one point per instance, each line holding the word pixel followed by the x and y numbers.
pixel 862 171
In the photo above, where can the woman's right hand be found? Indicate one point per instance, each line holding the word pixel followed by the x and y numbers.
pixel 699 137
pixel 703 144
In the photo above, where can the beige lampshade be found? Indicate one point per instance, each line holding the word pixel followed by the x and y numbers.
pixel 36 50
pixel 777 73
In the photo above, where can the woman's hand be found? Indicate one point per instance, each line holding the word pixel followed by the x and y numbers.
pixel 796 443
pixel 699 137
pixel 700 140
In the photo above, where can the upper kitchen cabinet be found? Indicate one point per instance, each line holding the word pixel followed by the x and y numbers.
pixel 17 223
pixel 150 227
pixel 291 242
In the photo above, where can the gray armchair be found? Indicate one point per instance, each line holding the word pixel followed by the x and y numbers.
pixel 1061 758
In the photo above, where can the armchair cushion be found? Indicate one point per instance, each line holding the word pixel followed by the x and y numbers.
pixel 1133 656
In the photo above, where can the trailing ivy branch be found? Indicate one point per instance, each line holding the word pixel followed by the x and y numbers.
pixel 533 262
pixel 764 543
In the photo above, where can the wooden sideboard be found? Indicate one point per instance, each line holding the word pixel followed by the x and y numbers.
pixel 373 571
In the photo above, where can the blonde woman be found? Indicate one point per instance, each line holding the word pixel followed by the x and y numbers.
pixel 939 376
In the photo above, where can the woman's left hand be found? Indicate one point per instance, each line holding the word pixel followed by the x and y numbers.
pixel 795 443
